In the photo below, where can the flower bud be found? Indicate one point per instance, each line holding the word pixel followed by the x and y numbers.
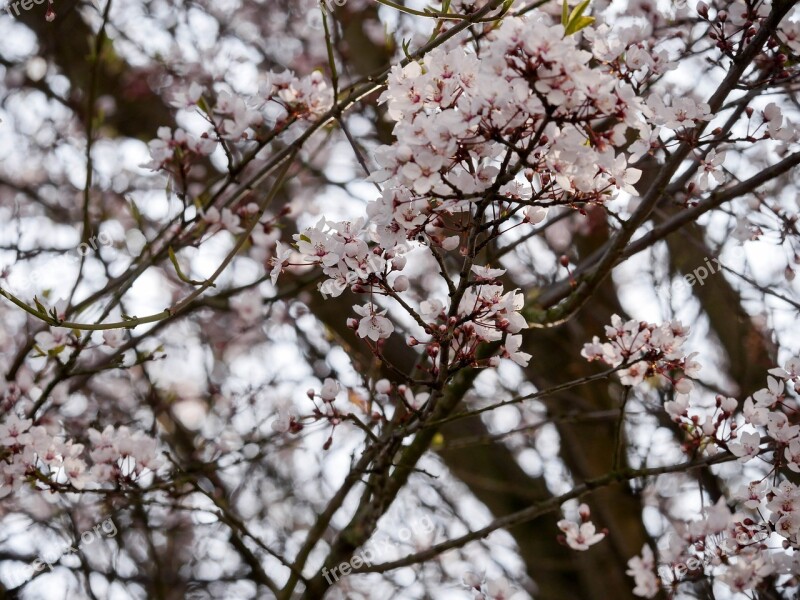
pixel 451 243
pixel 401 283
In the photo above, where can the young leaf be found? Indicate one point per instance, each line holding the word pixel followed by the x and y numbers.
pixel 578 11
pixel 575 21
pixel 578 24
pixel 39 305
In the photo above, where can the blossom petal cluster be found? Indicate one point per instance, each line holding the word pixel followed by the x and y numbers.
pixel 649 350
pixel 283 104
pixel 744 543
pixel 32 453
pixel 532 90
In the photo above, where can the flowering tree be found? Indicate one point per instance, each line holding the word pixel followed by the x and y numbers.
pixel 373 299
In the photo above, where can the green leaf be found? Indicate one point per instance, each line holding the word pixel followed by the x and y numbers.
pixel 137 215
pixel 578 24
pixel 39 305
pixel 305 238
pixel 203 105
pixel 575 21
pixel 578 11
pixel 406 48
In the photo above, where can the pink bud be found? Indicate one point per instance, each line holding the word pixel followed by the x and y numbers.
pixel 401 283
pixel 451 243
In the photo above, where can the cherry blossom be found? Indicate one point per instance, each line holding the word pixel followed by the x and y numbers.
pixel 512 350
pixel 373 324
pixel 580 537
pixel 642 569
pixel 747 447
pixel 790 371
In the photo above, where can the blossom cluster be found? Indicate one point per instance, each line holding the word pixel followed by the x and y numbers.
pixel 529 100
pixel 32 453
pixel 767 429
pixel 741 547
pixel 487 588
pixel 486 313
pixel 647 350
pixel 507 131
pixel 282 101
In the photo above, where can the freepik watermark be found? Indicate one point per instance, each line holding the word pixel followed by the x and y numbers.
pixel 134 240
pixel 700 274
pixel 675 572
pixel 710 266
pixel 106 529
pixel 378 547
pixel 91 245
pixel 26 5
